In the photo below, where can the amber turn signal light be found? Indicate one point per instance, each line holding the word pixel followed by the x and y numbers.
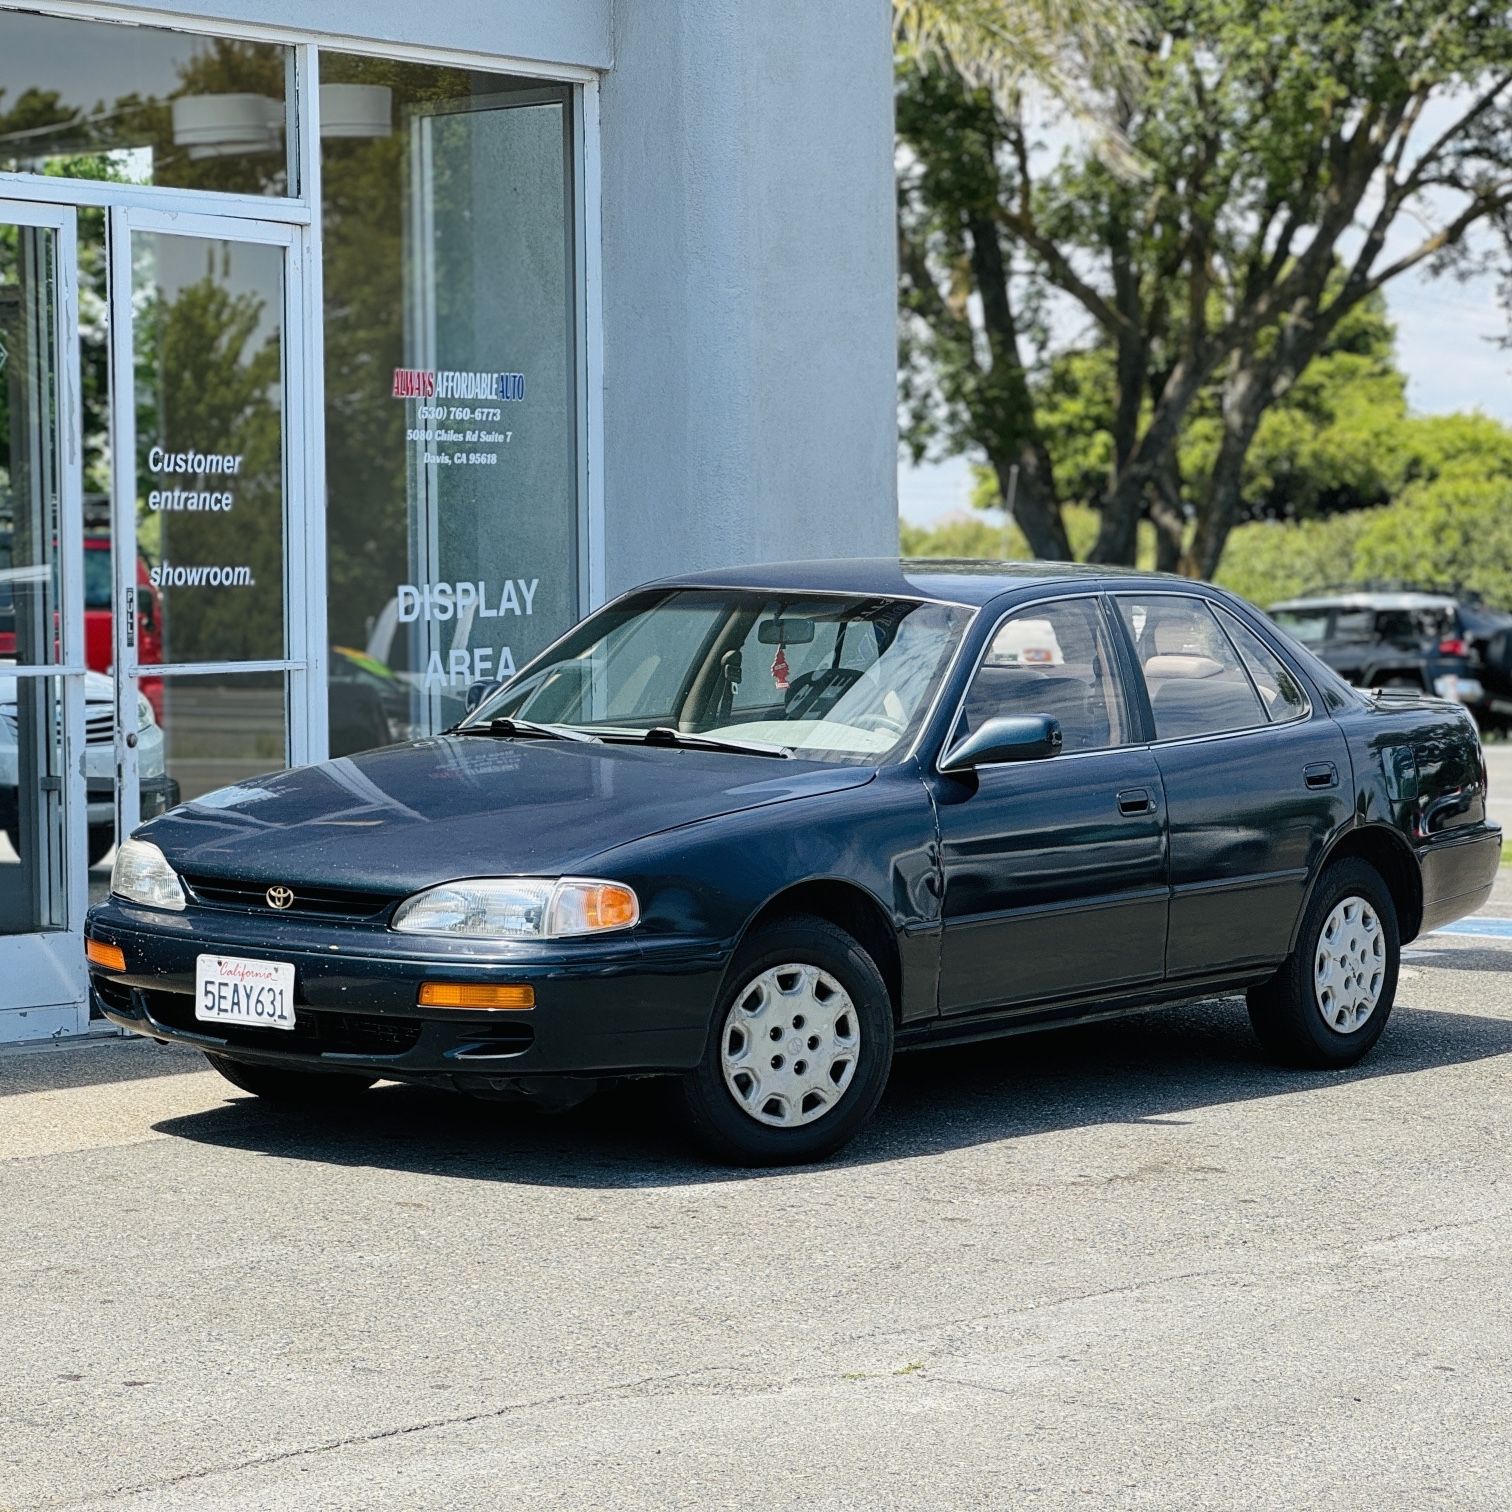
pixel 476 995
pixel 607 905
pixel 111 957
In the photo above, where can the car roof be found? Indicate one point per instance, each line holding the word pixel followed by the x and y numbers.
pixel 968 582
pixel 1365 600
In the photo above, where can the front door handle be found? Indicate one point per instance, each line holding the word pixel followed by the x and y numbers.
pixel 1134 801
pixel 1320 774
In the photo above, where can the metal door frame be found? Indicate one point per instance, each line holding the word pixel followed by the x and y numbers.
pixel 42 977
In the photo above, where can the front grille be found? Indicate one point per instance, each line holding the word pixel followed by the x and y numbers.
pixel 309 902
pixel 99 725
pixel 316 1031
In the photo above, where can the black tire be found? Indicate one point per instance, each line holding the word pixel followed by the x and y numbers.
pixel 308 1088
pixel 1287 1011
pixel 733 1130
pixel 101 838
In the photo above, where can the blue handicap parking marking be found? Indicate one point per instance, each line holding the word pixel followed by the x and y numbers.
pixel 1482 928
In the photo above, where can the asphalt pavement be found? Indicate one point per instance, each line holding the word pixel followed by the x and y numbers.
pixel 1127 1266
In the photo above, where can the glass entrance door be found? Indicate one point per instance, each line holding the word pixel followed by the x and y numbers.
pixel 44 739
pixel 206 414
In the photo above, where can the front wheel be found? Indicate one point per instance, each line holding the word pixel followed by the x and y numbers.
pixel 1329 1002
pixel 308 1088
pixel 799 1050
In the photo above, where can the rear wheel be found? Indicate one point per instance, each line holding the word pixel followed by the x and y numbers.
pixel 310 1088
pixel 799 1050
pixel 1330 1001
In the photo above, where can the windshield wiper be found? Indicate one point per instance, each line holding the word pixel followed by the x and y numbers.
pixel 507 725
pixel 665 735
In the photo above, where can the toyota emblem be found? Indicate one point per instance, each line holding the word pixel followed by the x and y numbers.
pixel 280 897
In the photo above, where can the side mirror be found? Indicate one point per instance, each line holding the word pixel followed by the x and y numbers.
pixel 1027 737
pixel 478 691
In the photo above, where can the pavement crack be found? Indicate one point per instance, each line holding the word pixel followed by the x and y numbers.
pixel 1154 1283
pixel 584 1398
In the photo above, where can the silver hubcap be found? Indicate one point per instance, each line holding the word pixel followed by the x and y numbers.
pixel 789 1045
pixel 1350 966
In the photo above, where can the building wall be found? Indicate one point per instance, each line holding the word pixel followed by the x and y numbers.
pixel 749 305
pixel 575 32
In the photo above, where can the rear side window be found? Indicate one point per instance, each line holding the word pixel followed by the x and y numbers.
pixel 1196 682
pixel 1280 692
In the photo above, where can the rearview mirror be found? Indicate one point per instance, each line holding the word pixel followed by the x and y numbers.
pixel 785 632
pixel 1026 737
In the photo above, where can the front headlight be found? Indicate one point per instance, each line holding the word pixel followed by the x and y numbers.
pixel 143 875
pixel 145 716
pixel 519 908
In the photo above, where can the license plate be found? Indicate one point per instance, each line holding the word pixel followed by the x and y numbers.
pixel 229 990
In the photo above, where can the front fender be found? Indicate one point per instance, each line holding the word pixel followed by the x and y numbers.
pixel 707 881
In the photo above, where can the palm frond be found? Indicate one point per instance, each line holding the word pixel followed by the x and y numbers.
pixel 1079 52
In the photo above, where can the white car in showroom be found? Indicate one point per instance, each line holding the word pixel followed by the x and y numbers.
pixel 159 791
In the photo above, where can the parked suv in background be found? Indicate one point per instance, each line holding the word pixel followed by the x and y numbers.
pixel 1432 642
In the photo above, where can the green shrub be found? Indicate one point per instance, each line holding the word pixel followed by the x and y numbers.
pixel 1452 533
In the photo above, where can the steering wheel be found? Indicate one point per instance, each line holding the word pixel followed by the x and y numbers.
pixel 814 694
pixel 877 722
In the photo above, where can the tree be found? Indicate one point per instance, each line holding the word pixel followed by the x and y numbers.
pixel 1286 147
pixel 1334 442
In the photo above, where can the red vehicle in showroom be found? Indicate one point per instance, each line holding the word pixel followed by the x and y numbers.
pixel 99 641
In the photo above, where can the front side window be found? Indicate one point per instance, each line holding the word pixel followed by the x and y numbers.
pixel 1196 682
pixel 838 678
pixel 1051 659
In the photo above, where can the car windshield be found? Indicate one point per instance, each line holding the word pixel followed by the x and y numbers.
pixel 1309 626
pixel 840 678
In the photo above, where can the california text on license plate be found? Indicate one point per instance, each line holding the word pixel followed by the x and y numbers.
pixel 229 990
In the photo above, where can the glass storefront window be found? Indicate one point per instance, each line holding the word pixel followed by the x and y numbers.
pixel 451 427
pixel 142 105
pixel 217 729
pixel 207 324
pixel 29 456
pixel 32 865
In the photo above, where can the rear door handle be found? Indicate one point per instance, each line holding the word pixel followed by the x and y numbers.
pixel 1135 801
pixel 1320 774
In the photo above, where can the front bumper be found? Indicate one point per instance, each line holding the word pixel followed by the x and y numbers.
pixel 603 1008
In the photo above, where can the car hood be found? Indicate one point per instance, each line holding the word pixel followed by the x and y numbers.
pixel 408 816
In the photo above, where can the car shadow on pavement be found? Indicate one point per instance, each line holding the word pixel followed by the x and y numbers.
pixel 1148 1069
